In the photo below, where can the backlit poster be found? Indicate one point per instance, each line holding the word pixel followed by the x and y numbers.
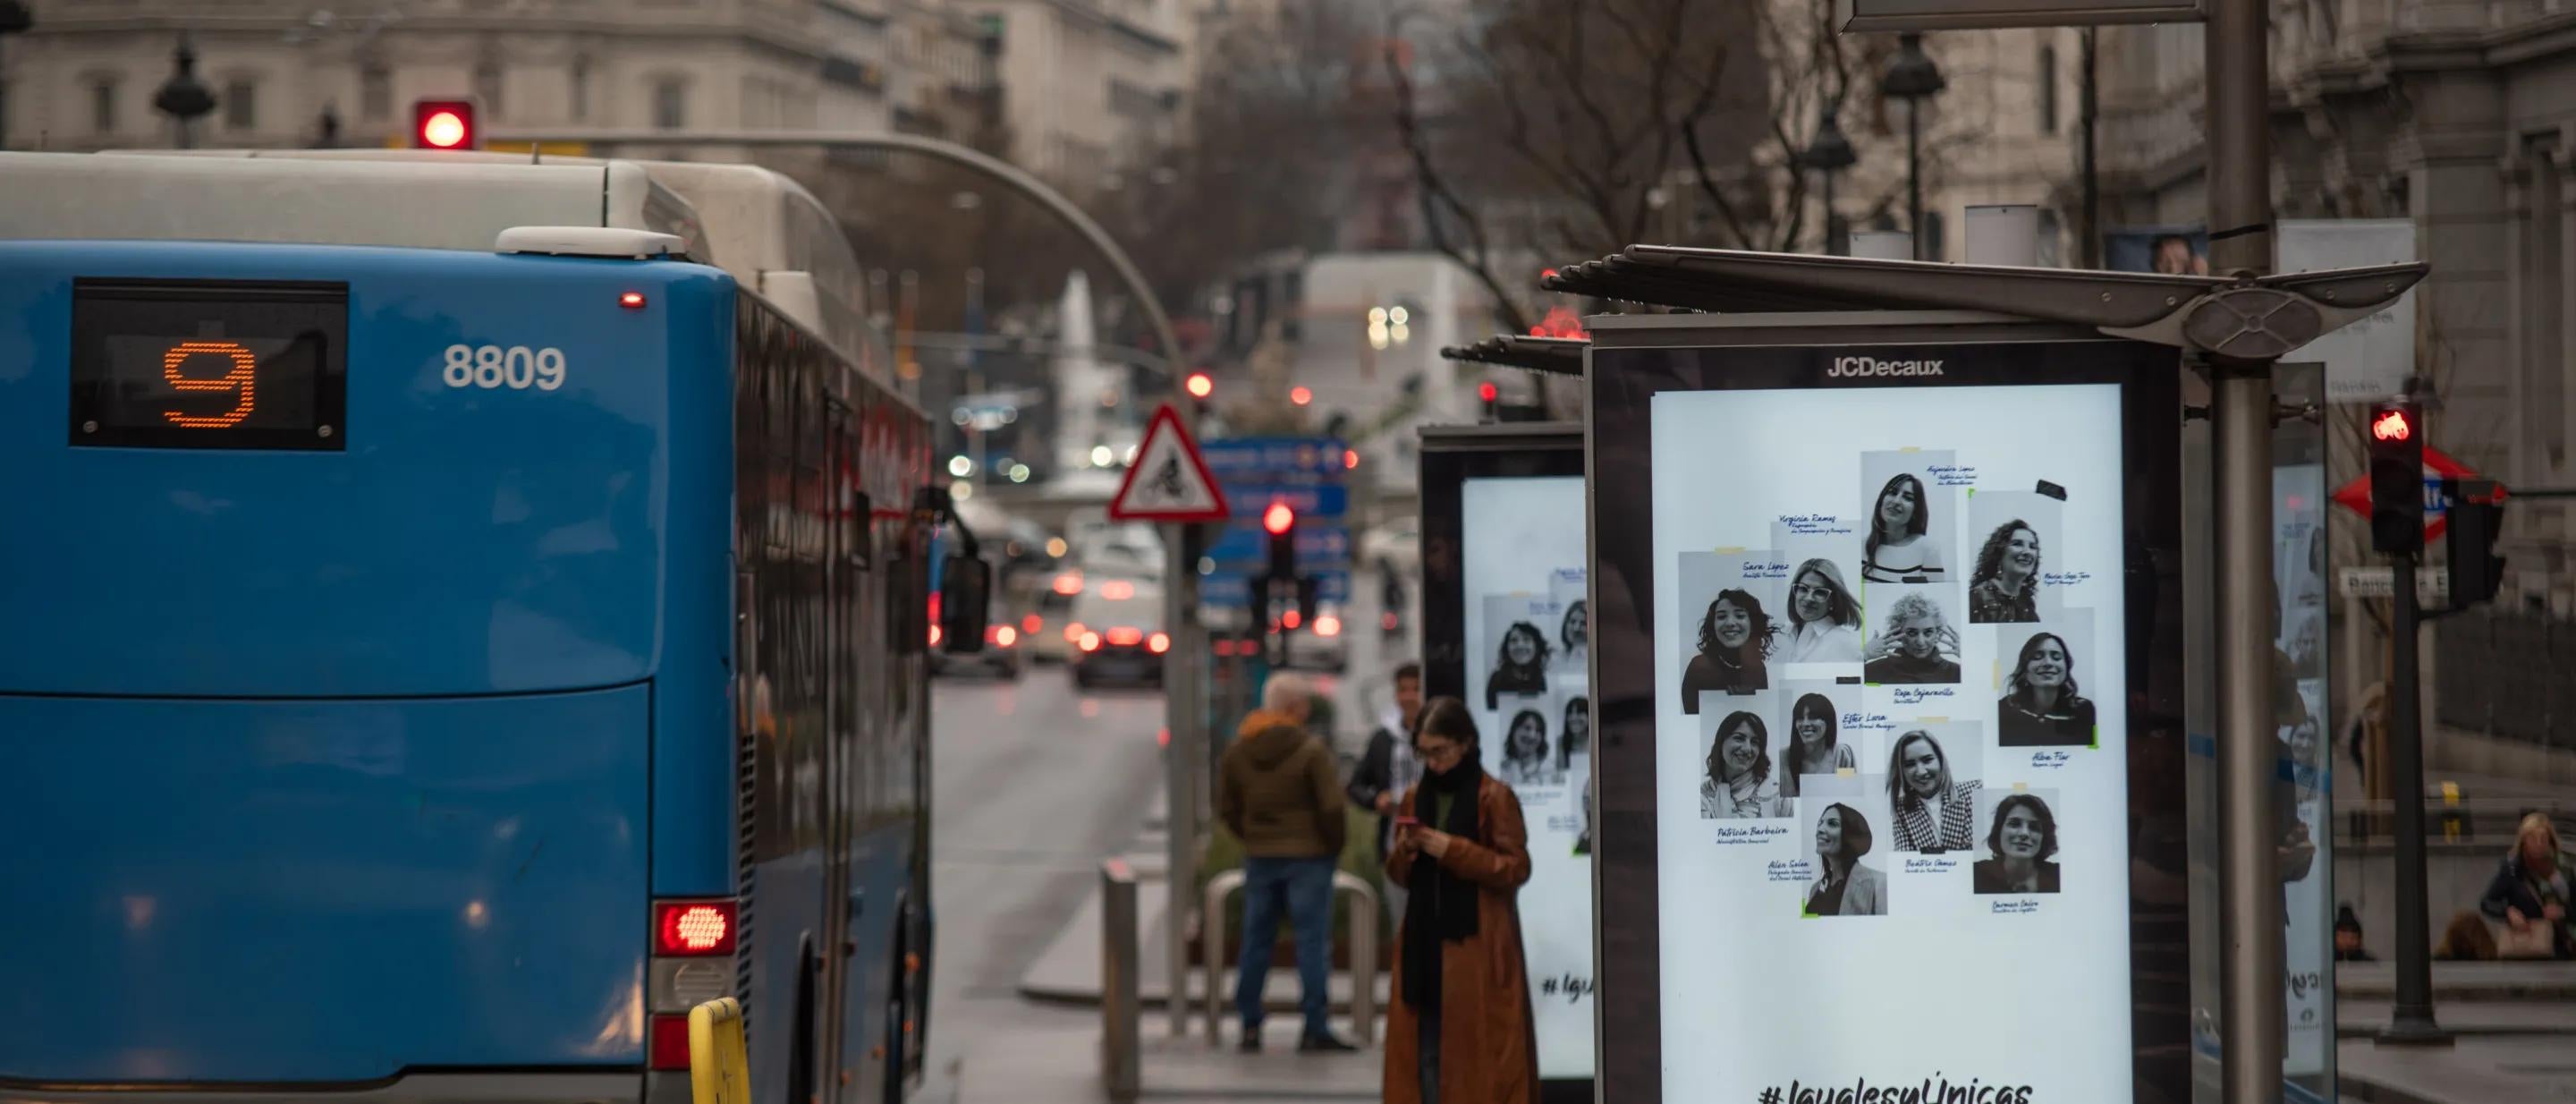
pixel 1528 651
pixel 1877 601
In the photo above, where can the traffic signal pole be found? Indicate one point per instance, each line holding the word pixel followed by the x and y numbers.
pixel 2412 1020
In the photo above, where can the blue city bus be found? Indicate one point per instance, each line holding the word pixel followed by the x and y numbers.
pixel 427 673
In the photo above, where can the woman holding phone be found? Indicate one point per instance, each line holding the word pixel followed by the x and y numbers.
pixel 1460 1028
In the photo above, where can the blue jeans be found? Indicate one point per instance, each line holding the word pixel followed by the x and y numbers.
pixel 1304 888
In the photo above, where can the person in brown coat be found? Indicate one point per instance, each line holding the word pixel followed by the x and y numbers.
pixel 1278 792
pixel 1460 1030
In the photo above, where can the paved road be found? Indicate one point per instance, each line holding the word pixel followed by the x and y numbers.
pixel 1033 783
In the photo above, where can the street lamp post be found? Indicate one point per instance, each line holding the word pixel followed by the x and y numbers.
pixel 1912 77
pixel 1830 153
pixel 183 97
pixel 14 19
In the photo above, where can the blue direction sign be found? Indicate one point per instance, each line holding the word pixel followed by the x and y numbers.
pixel 1304 472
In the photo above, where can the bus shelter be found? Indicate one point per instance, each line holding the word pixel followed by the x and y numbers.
pixel 1506 629
pixel 1894 684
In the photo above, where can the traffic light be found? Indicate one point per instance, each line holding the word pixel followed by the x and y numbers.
pixel 1280 521
pixel 444 125
pixel 2395 433
pixel 1200 385
pixel 2476 519
pixel 1487 393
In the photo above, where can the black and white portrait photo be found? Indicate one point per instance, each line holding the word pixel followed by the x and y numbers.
pixel 2012 530
pixel 1740 782
pixel 1574 629
pixel 1574 734
pixel 1916 640
pixel 1813 741
pixel 1730 624
pixel 1520 629
pixel 1910 516
pixel 1845 821
pixel 1527 758
pixel 2020 844
pixel 2043 703
pixel 1932 786
pixel 1820 605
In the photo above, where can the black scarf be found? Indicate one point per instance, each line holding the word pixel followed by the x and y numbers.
pixel 1442 906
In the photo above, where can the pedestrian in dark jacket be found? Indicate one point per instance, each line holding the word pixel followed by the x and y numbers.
pixel 1278 792
pixel 1387 769
pixel 2531 888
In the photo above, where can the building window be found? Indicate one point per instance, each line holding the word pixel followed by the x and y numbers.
pixel 670 103
pixel 102 106
pixel 487 88
pixel 581 89
pixel 2048 90
pixel 241 105
pixel 375 93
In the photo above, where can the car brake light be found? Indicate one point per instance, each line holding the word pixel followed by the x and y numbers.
pixel 1158 643
pixel 670 1042
pixel 1005 635
pixel 1090 642
pixel 1068 584
pixel 1328 625
pixel 695 928
pixel 1225 647
pixel 1118 591
pixel 1126 637
pixel 935 634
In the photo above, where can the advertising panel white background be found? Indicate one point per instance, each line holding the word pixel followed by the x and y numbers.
pixel 1522 556
pixel 2017 997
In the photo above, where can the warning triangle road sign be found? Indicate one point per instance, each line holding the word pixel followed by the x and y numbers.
pixel 1168 481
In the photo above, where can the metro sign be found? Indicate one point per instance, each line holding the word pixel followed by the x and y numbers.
pixel 2355 496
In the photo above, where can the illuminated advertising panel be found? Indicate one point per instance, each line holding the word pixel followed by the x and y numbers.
pixel 1508 630
pixel 1890 701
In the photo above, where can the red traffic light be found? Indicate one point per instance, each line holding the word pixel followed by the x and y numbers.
pixel 1278 519
pixel 443 124
pixel 1300 396
pixel 1487 392
pixel 1199 385
pixel 2391 424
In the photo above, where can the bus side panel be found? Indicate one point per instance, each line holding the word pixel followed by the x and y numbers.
pixel 786 931
pixel 322 891
pixel 695 828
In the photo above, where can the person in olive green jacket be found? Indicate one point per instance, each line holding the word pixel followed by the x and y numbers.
pixel 1278 792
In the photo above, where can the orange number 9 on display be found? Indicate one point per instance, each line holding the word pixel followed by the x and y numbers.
pixel 239 379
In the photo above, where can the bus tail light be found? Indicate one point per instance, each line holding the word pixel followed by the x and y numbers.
pixel 1158 643
pixel 694 927
pixel 670 1050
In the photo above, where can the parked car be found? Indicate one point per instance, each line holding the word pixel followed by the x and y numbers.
pixel 1004 645
pixel 1049 626
pixel 1324 645
pixel 1118 633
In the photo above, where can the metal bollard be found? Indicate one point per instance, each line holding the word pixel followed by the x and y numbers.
pixel 1363 948
pixel 1121 1011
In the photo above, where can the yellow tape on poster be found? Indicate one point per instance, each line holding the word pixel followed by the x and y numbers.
pixel 719 1072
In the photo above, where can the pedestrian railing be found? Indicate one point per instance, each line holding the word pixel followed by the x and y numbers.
pixel 1363 951
pixel 2451 817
